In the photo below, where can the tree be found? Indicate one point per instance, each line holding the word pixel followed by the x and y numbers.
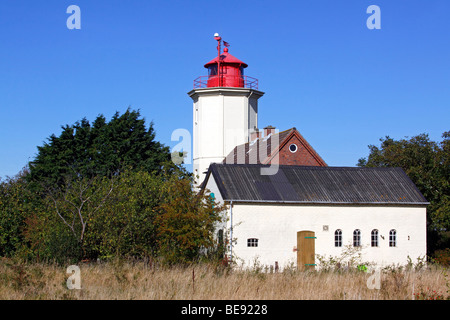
pixel 79 201
pixel 101 190
pixel 75 175
pixel 136 213
pixel 124 225
pixel 58 228
pixel 100 149
pixel 427 163
pixel 16 201
pixel 185 222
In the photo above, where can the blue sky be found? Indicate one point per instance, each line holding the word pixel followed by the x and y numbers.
pixel 323 71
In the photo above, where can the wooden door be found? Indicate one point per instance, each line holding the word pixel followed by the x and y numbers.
pixel 306 250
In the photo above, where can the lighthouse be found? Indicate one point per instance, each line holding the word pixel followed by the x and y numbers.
pixel 225 109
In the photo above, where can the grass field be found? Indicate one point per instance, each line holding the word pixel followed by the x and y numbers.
pixel 126 280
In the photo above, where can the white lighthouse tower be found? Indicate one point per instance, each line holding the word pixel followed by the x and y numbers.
pixel 225 110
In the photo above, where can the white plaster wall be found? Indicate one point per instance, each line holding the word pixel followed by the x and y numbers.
pixel 222 119
pixel 253 113
pixel 209 141
pixel 276 227
pixel 236 123
pixel 211 187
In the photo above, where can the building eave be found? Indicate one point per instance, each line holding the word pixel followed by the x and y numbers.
pixel 324 203
pixel 224 91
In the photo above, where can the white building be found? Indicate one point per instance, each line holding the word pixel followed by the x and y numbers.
pixel 303 208
pixel 289 218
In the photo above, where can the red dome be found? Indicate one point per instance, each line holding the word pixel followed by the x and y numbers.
pixel 226 58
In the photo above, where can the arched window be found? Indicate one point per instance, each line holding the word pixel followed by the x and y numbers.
pixel 374 238
pixel 252 242
pixel 393 238
pixel 357 238
pixel 338 238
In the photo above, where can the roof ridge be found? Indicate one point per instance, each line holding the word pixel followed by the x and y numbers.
pixel 309 167
pixel 291 129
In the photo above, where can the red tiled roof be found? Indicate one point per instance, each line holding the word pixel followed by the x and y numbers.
pixel 263 150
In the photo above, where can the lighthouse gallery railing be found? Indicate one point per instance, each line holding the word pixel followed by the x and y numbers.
pixel 246 81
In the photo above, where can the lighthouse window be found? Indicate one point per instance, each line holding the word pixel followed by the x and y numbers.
pixel 293 148
pixel 212 70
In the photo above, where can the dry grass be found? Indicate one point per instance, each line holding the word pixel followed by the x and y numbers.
pixel 125 280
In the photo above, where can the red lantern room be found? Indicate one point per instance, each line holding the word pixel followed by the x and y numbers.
pixel 231 71
pixel 225 70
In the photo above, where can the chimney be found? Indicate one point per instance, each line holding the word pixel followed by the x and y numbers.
pixel 268 130
pixel 255 134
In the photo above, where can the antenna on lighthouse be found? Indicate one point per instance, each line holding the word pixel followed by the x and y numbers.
pixel 219 39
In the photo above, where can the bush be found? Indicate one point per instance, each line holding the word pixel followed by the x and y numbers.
pixel 185 223
pixel 15 203
pixel 442 257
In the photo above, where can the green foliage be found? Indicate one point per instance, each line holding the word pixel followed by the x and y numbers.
pixel 72 177
pixel 349 259
pixel 428 294
pixel 106 190
pixel 442 257
pixel 47 238
pixel 185 222
pixel 16 201
pixel 427 163
pixel 100 149
pixel 134 214
pixel 124 226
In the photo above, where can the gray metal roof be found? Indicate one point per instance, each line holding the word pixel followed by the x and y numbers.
pixel 305 184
